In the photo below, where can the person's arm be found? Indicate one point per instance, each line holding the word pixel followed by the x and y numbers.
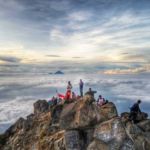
pixel 71 86
pixel 94 91
pixel 97 100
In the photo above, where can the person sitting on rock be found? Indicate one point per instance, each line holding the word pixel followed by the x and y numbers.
pixel 90 92
pixel 100 101
pixel 68 93
pixel 73 95
pixel 134 111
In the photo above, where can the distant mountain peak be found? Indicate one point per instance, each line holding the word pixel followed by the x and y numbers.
pixel 58 72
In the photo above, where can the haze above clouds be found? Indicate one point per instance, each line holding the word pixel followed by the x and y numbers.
pixel 92 36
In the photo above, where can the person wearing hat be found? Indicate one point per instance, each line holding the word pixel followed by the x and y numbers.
pixel 73 95
pixel 135 109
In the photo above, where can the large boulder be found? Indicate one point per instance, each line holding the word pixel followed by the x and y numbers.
pixel 132 128
pixel 88 136
pixel 144 125
pixel 113 134
pixel 80 114
pixel 89 98
pixel 72 140
pixel 47 143
pixel 108 111
pixel 28 123
pixel 56 113
pixel 41 107
pixel 17 126
pixel 141 142
pixel 98 145
pixel 139 117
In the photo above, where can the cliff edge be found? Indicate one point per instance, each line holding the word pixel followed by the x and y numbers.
pixel 78 124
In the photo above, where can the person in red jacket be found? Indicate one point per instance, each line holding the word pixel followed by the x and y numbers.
pixel 68 93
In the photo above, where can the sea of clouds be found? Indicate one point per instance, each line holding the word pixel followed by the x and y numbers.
pixel 18 93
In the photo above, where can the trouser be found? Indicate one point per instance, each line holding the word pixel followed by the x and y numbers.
pixel 133 115
pixel 81 92
pixel 68 94
pixel 101 103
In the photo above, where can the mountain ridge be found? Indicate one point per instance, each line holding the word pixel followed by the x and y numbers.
pixel 77 124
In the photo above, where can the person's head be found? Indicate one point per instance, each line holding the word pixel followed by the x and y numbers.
pixel 80 80
pixel 69 82
pixel 100 96
pixel 90 89
pixel 139 101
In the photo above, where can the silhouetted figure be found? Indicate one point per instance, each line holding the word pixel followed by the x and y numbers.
pixel 91 92
pixel 81 87
pixel 134 111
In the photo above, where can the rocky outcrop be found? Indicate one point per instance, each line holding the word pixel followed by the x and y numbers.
pixel 108 111
pixel 16 127
pixel 78 124
pixel 144 125
pixel 41 107
pixel 113 134
pixel 80 114
pixel 139 117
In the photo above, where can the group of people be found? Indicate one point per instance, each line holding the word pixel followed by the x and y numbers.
pixel 69 87
pixel 135 110
pixel 100 101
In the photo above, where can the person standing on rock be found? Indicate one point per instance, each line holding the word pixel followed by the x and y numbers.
pixel 134 111
pixel 68 93
pixel 90 92
pixel 81 87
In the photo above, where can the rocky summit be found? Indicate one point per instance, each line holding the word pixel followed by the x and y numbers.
pixel 77 124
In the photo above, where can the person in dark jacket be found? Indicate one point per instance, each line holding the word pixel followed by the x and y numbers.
pixel 91 92
pixel 134 111
pixel 81 87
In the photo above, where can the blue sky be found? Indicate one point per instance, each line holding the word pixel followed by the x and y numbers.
pixel 75 36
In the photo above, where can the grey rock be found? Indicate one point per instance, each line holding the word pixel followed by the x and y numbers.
pixel 79 114
pixel 71 141
pixel 114 134
pixel 17 126
pixel 108 111
pixel 56 113
pixel 41 107
pixel 144 125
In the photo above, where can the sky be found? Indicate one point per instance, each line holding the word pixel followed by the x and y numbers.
pixel 75 36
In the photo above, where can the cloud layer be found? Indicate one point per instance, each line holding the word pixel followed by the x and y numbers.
pixel 19 93
pixel 145 69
